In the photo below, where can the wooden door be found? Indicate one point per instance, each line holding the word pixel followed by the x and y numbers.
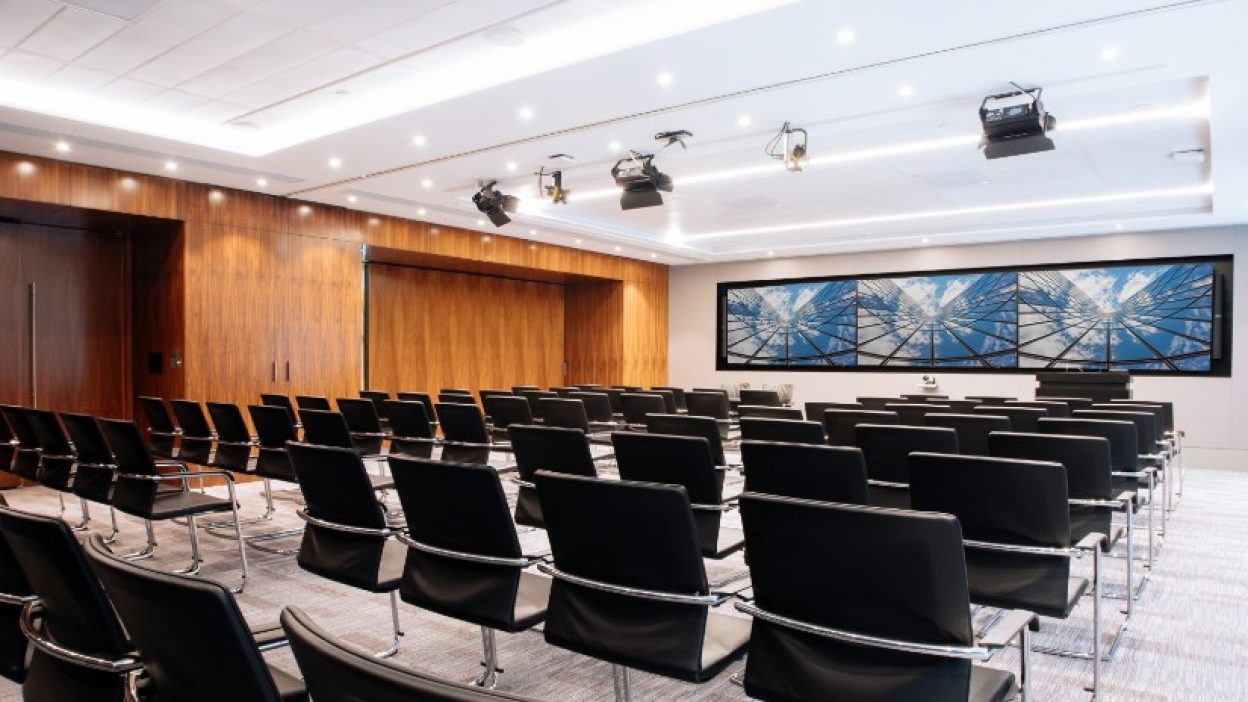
pixel 321 286
pixel 14 306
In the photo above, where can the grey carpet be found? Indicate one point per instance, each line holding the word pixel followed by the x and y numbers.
pixel 1187 641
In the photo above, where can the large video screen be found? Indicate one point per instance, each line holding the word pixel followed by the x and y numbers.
pixel 1151 316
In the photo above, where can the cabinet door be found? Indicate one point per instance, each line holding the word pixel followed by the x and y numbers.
pixel 322 328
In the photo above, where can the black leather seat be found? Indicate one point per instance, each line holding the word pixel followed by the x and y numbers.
pixel 234 439
pixel 57 460
pixel 637 405
pixel 890 629
pixel 418 397
pixel 464 559
pixel 412 431
pixel 678 394
pixel 346 538
pixel 878 403
pixel 1053 408
pixel 81 652
pixel 195 444
pixel 135 490
pixel 336 672
pixel 161 429
pixel 886 449
pixel 769 411
pixel 379 398
pixel 805 471
pixel 990 399
pixel 1075 403
pixel 840 425
pixel 554 449
pixel 597 408
pixel 972 429
pixel 814 410
pixel 533 397
pixel 714 404
pixel 633 592
pixel 283 401
pixel 760 398
pixel 192 638
pixel 15 592
pixel 563 412
pixel 96 469
pixel 8 445
pixel 687 425
pixel 686 461
pixel 913 413
pixel 504 411
pixel 313 402
pixel 27 453
pixel 789 430
pixel 364 423
pixel 1022 419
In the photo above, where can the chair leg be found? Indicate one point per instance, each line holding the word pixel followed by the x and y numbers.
pixel 1024 664
pixel 148 550
pixel 193 568
pixel 623 691
pixel 398 632
pixel 112 516
pixel 86 516
pixel 238 534
pixel 489 678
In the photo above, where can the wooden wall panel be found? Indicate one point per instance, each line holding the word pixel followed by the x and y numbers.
pixel 321 284
pixel 14 349
pixel 158 294
pixel 594 333
pixel 645 333
pixel 431 329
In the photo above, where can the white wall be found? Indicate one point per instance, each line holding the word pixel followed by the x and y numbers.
pixel 1213 410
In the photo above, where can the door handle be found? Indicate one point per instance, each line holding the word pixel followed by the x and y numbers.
pixel 273 370
pixel 34 355
pixel 288 371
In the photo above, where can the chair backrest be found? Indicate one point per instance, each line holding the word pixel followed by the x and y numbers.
pixel 769 411
pixel 893 592
pixel 490 392
pixel 422 397
pixel 455 391
pixel 815 410
pixel 840 425
pixel 805 471
pixel 990 399
pixel 628 388
pixel 957 406
pixel 1166 406
pixel 597 405
pixel 195 644
pixel 913 413
pixel 463 423
pixel 664 458
pixel 533 397
pixel 1073 402
pixel 273 429
pixel 887 447
pixel 130 453
pixel 191 417
pixel 26 461
pixel 678 394
pixel 669 399
pixel 590 387
pixel 89 441
pixel 685 425
pixel 924 397
pixel 519 389
pixel 614 396
pixel 1021 418
pixel 313 402
pixel 788 430
pixel 325 428
pixel 456 398
pixel 878 403
pixel 228 420
pixel 1121 435
pixel 1086 458
pixel 708 404
pixel 50 435
pixel 378 398
pixel 507 410
pixel 764 398
pixel 7 449
pixel 336 672
pixel 637 405
pixel 283 401
pixel 13 643
pixel 409 419
pixel 1054 409
pixel 1158 412
pixel 1146 425
pixel 563 391
pixel 556 449
pixel 360 414
pixel 157 414
pixel 972 429
pixel 563 412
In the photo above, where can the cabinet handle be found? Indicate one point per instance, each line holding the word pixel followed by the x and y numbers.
pixel 34 350
pixel 288 371
pixel 273 370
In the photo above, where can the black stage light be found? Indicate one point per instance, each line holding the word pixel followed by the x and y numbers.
pixel 789 147
pixel 641 181
pixel 1015 123
pixel 494 204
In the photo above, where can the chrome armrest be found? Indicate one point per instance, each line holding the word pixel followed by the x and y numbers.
pixel 521 562
pixel 55 650
pixel 249 442
pixel 1121 500
pixel 345 528
pixel 726 506
pixel 1090 541
pixel 711 600
pixel 8 598
pixel 171 463
pixel 182 476
pixel 414 439
pixel 373 434
pixel 523 483
pixel 1070 552
pixel 885 483
pixel 603 457
pixel 1006 629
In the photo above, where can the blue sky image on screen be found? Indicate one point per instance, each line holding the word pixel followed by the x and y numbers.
pixel 942 321
pixel 1120 318
pixel 800 324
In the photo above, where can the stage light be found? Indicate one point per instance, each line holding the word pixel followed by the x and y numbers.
pixel 1015 124
pixel 555 192
pixel 640 180
pixel 789 147
pixel 494 204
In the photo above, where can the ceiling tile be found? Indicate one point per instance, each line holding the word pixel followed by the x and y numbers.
pixel 129 90
pixel 21 17
pixel 21 65
pixel 70 33
pixel 234 37
pixel 308 76
pixel 128 10
pixel 271 59
pixel 173 23
pixel 75 78
pixel 303 12
pixel 175 101
pixel 361 20
pixel 444 23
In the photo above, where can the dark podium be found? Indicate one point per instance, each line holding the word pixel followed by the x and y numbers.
pixel 1101 386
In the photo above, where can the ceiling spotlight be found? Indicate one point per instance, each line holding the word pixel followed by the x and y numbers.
pixel 480 222
pixel 614 147
pixel 1015 124
pixel 1109 53
pixel 525 113
pixel 664 79
pixel 304 210
pixel 532 232
pixel 494 204
pixel 335 162
pixel 419 140
pixel 426 183
pixel 744 121
pixel 579 241
pixel 511 166
pixel 352 199
pixel 906 90
pixel 789 147
pixel 171 166
pixel 926 240
pixel 262 182
pixel 640 180
pixel 771 253
pixel 618 249
pixel 62 146
pixel 421 211
pixel 1118 226
pixel 845 36
pixel 555 192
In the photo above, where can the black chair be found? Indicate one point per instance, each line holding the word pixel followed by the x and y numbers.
pixel 27 453
pixel 364 422
pixel 597 408
pixel 336 672
pixel 80 651
pixel 1170 438
pixel 1054 409
pixel 15 594
pixel 840 425
pixel 633 592
pixel 504 411
pixel 913 413
pixel 422 397
pixel 519 389
pixel 462 423
pixel 678 394
pixel 957 406
pixel 1075 403
pixel 815 410
pixel 990 399
pixel 563 412
pixel 1150 443
pixel 637 405
pixel 464 559
pixel 590 387
pixel 161 429
pixel 1021 418
pixel 58 461
pixel 197 438
pixel 456 398
pixel 769 412
pixel 1015 521
pixel 283 401
pixel 135 491
pixel 972 429
pixel 313 402
pixel 96 468
pixel 893 628
pixel 924 397
pixel 379 399
pixel 878 403
pixel 8 445
pixel 346 538
pixel 805 471
pixel 669 399
pixel 273 431
pixel 760 398
pixel 327 428
pixel 887 448
pixel 193 640
pixel 455 391
pixel 708 404
pixel 489 392
pixel 533 397
pixel 234 439
pixel 412 434
pixel 685 461
pixel 627 388
pixel 686 425
pixel 788 430
pixel 554 449
pixel 565 391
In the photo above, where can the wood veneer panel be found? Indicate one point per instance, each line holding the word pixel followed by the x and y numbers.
pixel 645 333
pixel 321 286
pixel 14 358
pixel 158 285
pixel 594 333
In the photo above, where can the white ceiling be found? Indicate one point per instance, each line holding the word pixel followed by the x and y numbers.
pixel 235 91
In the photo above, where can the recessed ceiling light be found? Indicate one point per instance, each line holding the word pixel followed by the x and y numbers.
pixel 1109 53
pixel 906 90
pixel 926 240
pixel 844 36
pixel 335 162
pixel 744 121
pixel 262 182
pixel 654 255
pixel 1118 226
pixel 664 79
pixel 426 183
pixel 579 241
pixel 62 146
pixel 419 140
pixel 506 37
pixel 420 211
pixel 525 113
pixel 532 232
pixel 614 147
pixel 480 222
pixel 511 166
pixel 771 253
pixel 352 198
pixel 618 249
pixel 171 166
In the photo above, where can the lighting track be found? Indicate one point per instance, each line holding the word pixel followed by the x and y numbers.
pixel 771 87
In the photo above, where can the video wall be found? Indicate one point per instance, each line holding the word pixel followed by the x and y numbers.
pixel 1160 316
